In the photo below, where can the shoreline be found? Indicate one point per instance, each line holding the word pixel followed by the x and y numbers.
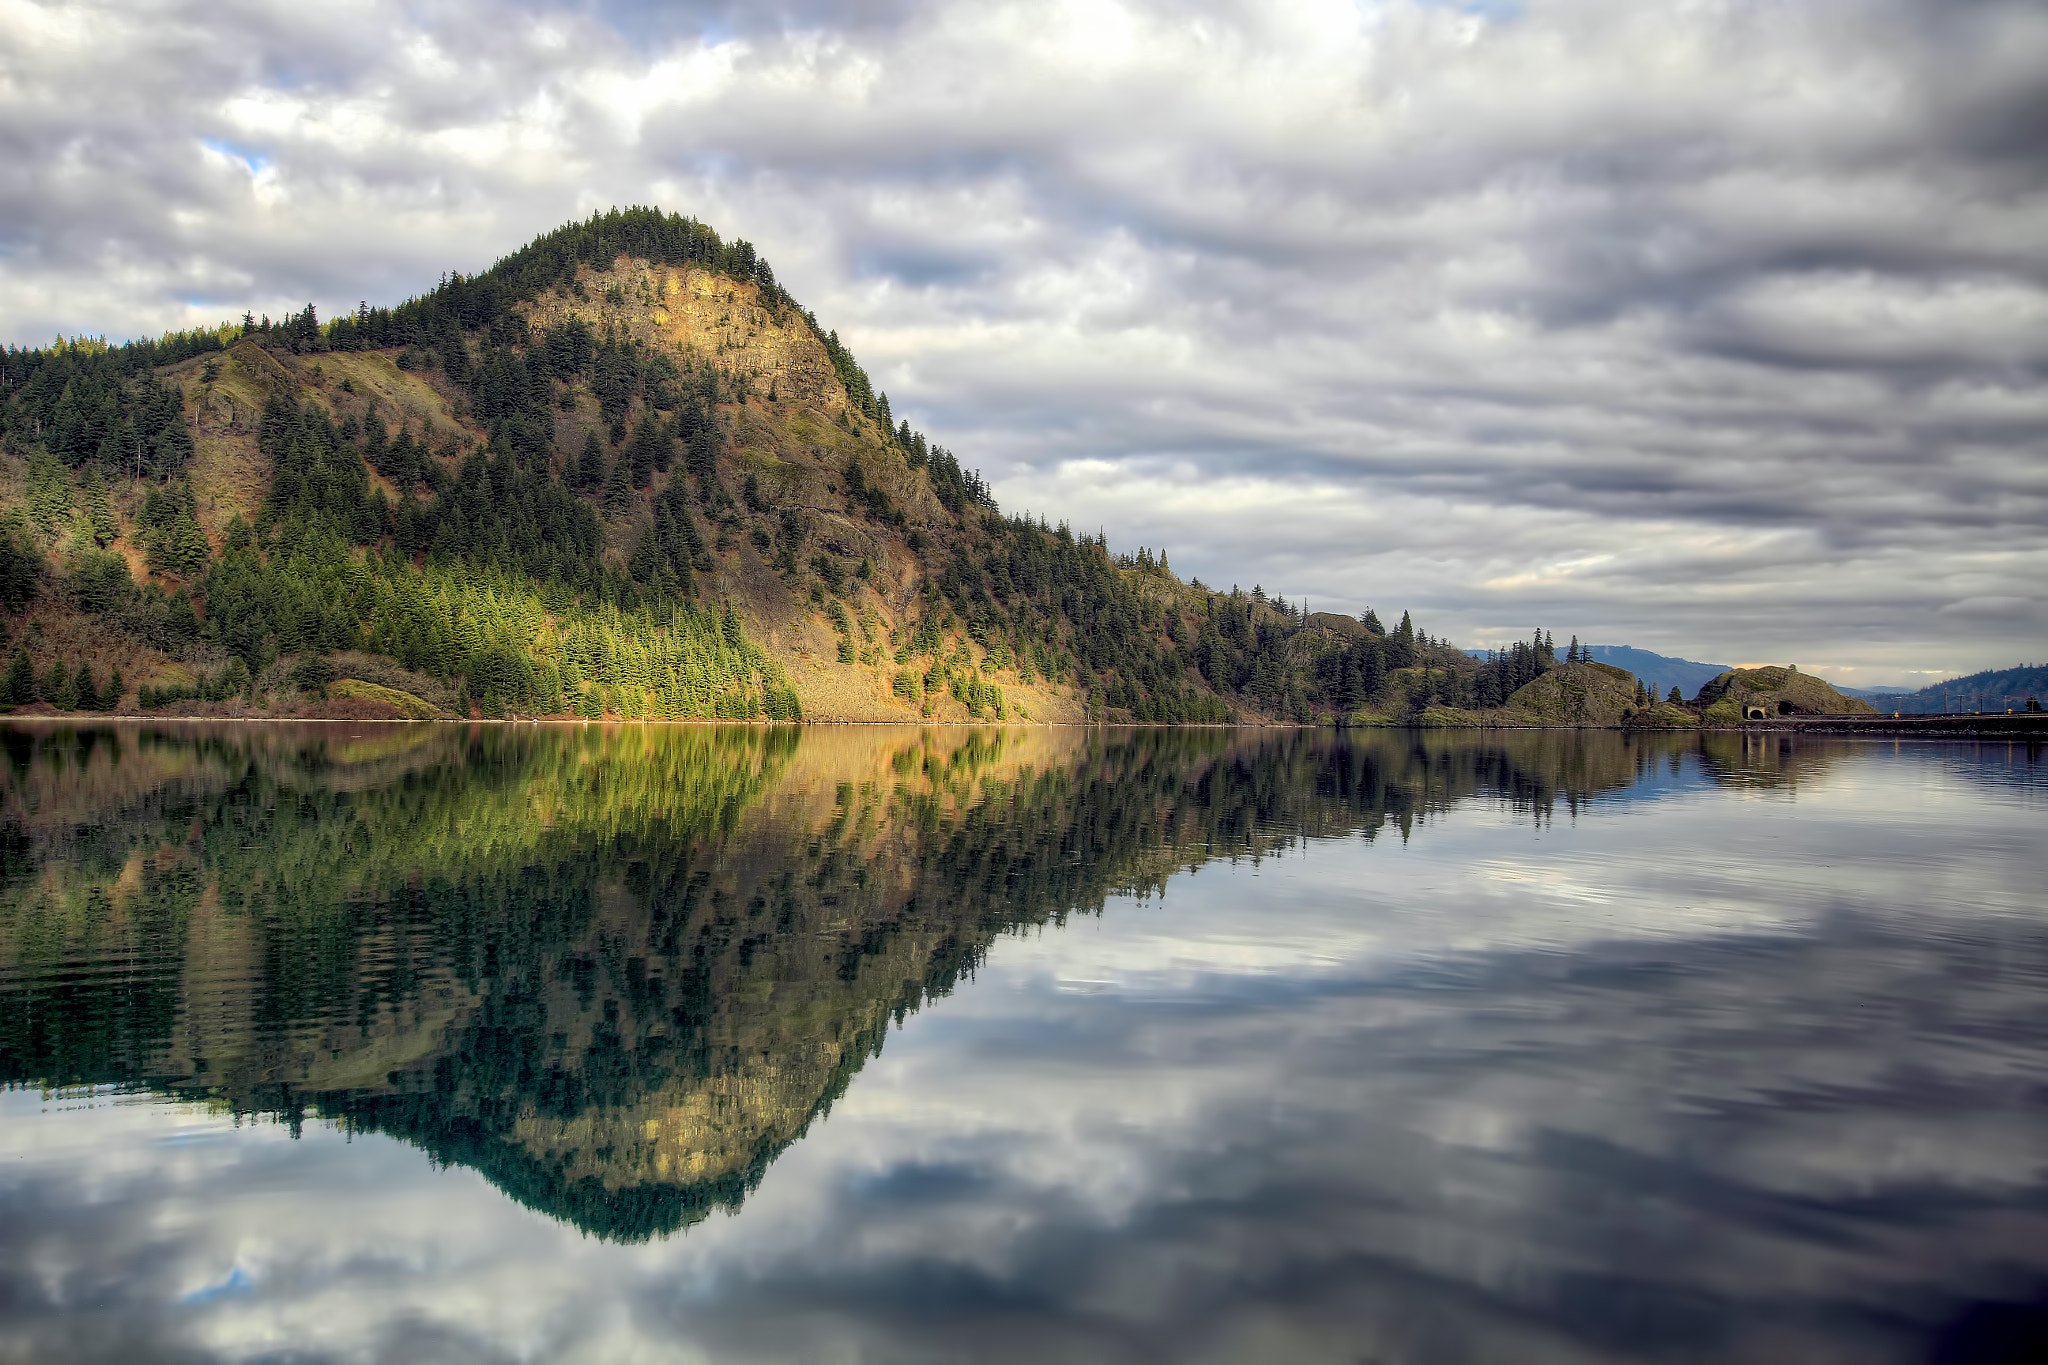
pixel 2015 725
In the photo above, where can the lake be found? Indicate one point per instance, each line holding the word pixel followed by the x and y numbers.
pixel 879 1044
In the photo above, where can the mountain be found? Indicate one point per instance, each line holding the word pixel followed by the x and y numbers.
pixel 1659 672
pixel 1992 690
pixel 619 473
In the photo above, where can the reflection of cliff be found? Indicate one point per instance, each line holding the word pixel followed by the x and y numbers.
pixel 616 970
pixel 1767 760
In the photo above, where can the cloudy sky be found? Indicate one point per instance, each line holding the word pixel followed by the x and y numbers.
pixel 1716 327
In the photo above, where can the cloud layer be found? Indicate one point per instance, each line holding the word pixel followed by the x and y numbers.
pixel 1715 328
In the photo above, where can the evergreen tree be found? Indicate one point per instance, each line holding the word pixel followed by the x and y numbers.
pixel 58 688
pixel 21 678
pixel 98 512
pixel 49 491
pixel 649 449
pixel 172 534
pixel 1401 652
pixel 85 693
pixel 618 489
pixel 1676 696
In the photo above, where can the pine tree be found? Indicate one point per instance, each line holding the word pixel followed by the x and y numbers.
pixel 49 490
pixel 618 489
pixel 1676 696
pixel 648 449
pixel 58 688
pixel 590 464
pixel 105 528
pixel 1571 653
pixel 1401 649
pixel 85 693
pixel 117 687
pixel 176 542
pixel 21 679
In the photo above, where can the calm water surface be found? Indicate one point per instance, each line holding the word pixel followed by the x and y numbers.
pixel 877 1045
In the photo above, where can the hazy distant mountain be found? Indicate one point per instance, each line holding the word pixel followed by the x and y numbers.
pixel 1991 690
pixel 1660 672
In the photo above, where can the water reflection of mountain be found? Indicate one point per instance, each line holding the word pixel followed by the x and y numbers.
pixel 617 971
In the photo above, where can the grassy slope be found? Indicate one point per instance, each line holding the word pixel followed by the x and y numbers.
pixel 1727 697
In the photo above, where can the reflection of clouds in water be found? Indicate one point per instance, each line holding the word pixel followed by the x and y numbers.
pixel 327 1242
pixel 1661 1083
pixel 1485 880
pixel 1713 1134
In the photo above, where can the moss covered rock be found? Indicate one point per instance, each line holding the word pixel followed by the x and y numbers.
pixel 1663 715
pixel 1742 693
pixel 403 705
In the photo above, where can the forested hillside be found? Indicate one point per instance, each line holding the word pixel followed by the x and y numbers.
pixel 620 473
pixel 2019 689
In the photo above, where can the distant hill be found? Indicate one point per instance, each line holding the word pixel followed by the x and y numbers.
pixel 1660 672
pixel 1992 690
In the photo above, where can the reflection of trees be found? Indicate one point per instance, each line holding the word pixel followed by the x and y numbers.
pixel 617 971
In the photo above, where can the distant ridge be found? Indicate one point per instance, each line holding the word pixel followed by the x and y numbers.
pixel 1995 689
pixel 1659 672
